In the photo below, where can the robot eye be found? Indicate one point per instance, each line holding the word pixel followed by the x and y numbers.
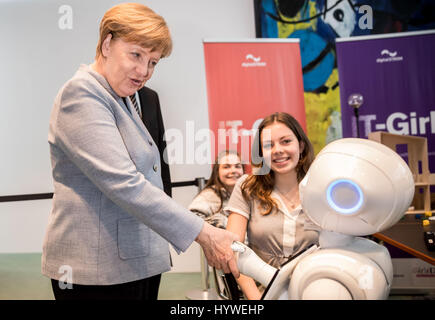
pixel 344 196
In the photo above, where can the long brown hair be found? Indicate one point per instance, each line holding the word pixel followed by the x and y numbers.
pixel 260 185
pixel 214 182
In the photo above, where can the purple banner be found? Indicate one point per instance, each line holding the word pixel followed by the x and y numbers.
pixel 395 74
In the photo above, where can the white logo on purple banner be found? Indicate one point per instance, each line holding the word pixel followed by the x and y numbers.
pixel 388 56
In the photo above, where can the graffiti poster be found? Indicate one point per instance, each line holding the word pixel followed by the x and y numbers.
pixel 317 23
pixel 246 81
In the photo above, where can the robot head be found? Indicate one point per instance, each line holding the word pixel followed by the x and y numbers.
pixel 357 187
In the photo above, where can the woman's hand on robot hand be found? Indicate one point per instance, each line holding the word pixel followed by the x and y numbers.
pixel 216 244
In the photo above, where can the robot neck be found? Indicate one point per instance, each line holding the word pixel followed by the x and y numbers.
pixel 328 239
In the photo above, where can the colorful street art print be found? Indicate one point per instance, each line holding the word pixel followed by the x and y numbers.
pixel 317 24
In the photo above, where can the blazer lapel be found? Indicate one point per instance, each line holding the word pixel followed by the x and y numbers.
pixel 138 121
pixel 133 114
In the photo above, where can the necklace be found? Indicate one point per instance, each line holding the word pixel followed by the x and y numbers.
pixel 288 201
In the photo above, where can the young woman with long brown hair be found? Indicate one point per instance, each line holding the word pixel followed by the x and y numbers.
pixel 209 203
pixel 266 204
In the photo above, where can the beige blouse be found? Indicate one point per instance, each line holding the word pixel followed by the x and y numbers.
pixel 280 234
pixel 206 205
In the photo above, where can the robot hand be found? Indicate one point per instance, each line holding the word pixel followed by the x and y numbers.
pixel 275 280
pixel 251 265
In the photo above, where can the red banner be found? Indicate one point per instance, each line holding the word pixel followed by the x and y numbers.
pixel 246 81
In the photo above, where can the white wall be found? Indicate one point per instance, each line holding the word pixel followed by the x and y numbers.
pixel 37 57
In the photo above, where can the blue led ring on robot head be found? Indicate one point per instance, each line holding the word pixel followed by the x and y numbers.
pixel 344 196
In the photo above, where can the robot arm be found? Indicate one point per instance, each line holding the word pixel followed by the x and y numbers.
pixel 251 265
pixel 275 280
pixel 331 274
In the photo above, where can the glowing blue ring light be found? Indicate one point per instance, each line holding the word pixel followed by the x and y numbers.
pixel 344 196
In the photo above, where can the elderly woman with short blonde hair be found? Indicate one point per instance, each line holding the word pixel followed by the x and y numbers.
pixel 110 224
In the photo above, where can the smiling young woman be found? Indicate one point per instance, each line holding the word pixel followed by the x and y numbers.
pixel 208 204
pixel 266 206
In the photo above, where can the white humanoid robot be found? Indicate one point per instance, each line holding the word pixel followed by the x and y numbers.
pixel 355 187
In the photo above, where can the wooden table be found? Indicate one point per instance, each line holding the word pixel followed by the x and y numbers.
pixel 407 235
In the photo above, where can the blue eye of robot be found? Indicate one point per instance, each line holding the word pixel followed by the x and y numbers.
pixel 344 196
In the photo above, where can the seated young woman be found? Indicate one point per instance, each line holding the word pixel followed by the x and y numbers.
pixel 209 203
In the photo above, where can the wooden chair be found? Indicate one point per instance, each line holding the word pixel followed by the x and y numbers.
pixel 417 162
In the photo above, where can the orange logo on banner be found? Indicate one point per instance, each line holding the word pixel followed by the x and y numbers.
pixel 247 81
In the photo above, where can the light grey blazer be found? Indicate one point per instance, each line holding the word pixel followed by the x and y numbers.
pixel 110 222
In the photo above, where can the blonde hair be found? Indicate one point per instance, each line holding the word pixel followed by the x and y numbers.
pixel 134 22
